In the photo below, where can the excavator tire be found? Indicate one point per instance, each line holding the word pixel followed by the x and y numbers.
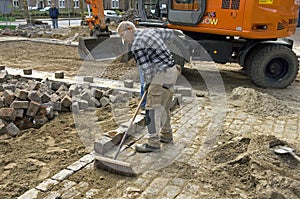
pixel 273 66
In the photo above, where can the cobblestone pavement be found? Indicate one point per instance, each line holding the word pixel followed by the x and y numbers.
pixel 195 127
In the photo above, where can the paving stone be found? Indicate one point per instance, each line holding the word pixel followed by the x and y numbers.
pixel 55 85
pixel 33 108
pixel 9 97
pixel 87 158
pixel 53 195
pixel 185 91
pixel 76 166
pixel 85 95
pixel 128 83
pixel 62 175
pixel 71 193
pixel 66 101
pixel 93 102
pixel 21 94
pixel 19 113
pixel 34 96
pixel 74 90
pixel 97 93
pixel 3 76
pixel 27 71
pixel 19 104
pixel 88 79
pixel 75 107
pixel 10 86
pixel 2 126
pixel 103 145
pixel 45 97
pixel 104 101
pixel 2 67
pixel 171 191
pixel 55 98
pixel 30 194
pixel 47 185
pixel 59 75
pixel 90 194
pixel 34 85
pixel 7 114
pixel 56 106
pixel 83 104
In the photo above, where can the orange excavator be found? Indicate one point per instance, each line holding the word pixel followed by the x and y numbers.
pixel 252 33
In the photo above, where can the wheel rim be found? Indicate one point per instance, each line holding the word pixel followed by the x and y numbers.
pixel 277 68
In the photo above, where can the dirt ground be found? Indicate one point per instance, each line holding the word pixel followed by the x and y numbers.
pixel 37 154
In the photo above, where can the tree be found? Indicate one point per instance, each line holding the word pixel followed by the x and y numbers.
pixel 81 8
pixel 26 11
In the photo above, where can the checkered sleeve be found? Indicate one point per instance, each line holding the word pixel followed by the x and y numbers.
pixel 165 33
pixel 144 63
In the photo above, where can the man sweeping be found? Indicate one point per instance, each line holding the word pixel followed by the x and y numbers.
pixel 157 67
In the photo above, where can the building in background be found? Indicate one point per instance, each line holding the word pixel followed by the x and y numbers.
pixel 108 4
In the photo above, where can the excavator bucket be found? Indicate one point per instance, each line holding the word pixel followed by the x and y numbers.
pixel 101 48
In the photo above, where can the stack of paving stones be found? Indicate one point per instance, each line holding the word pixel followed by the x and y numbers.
pixel 30 103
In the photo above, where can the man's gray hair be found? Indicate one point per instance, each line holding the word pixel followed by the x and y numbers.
pixel 125 25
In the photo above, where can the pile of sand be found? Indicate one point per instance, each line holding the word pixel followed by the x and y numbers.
pixel 257 103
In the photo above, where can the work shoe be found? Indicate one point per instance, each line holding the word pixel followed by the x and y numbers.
pixel 146 148
pixel 166 139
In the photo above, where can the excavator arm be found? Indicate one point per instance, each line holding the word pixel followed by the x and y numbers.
pixel 96 18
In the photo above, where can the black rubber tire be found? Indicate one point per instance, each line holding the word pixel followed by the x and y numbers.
pixel 273 66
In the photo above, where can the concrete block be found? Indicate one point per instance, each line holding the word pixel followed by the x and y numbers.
pixel 21 94
pixel 103 145
pixel 97 93
pixel 62 175
pixel 85 95
pixel 33 108
pixel 128 83
pixel 40 120
pixel 87 158
pixel 34 85
pixel 66 101
pixel 83 104
pixel 2 103
pixel 45 97
pixel 47 185
pixel 2 67
pixel 2 127
pixel 56 106
pixel 3 76
pixel 76 166
pixel 9 97
pixel 88 79
pixel 27 71
pixel 73 90
pixel 19 113
pixel 32 194
pixel 185 91
pixel 12 130
pixel 59 75
pixel 62 88
pixel 10 86
pixel 55 85
pixel 7 114
pixel 34 96
pixel 75 107
pixel 54 97
pixel 19 104
pixel 93 102
pixel 104 101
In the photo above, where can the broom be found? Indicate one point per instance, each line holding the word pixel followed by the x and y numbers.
pixel 114 165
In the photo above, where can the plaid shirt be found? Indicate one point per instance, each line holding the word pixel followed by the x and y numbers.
pixel 151 52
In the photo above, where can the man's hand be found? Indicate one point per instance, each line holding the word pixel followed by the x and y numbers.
pixel 146 86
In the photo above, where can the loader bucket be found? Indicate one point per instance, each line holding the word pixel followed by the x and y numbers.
pixel 100 48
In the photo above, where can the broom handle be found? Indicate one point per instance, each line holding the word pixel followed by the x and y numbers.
pixel 130 125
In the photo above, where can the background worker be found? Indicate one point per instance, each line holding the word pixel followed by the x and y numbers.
pixel 53 11
pixel 157 66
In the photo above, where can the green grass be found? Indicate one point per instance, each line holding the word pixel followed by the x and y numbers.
pixel 11 27
pixel 7 19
